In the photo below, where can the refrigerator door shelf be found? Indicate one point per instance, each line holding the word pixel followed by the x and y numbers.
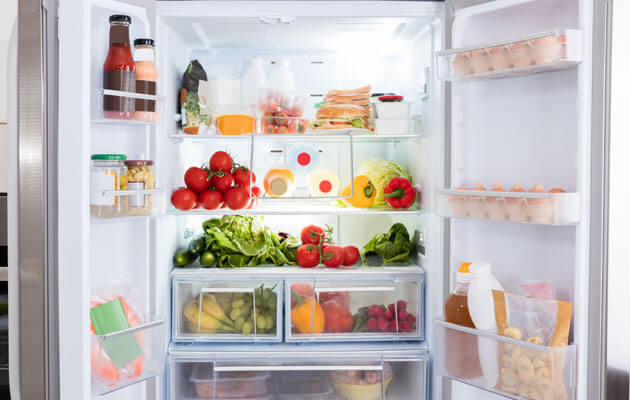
pixel 328 309
pixel 522 207
pixel 134 118
pixel 335 376
pixel 552 50
pixel 512 368
pixel 126 357
pixel 140 203
pixel 232 310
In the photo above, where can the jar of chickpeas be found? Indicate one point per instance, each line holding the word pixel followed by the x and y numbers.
pixel 139 177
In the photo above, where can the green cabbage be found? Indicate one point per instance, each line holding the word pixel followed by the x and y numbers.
pixel 380 173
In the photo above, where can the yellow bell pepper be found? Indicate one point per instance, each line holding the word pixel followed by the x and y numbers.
pixel 364 192
pixel 306 317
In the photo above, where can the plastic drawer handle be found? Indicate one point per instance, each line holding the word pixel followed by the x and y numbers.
pixel 357 289
pixel 228 290
pixel 132 329
pixel 247 368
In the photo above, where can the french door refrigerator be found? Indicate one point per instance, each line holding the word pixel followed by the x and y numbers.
pixel 507 92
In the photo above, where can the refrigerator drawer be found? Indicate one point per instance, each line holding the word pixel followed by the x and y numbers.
pixel 522 207
pixel 122 358
pixel 235 310
pixel 376 309
pixel 510 367
pixel 280 376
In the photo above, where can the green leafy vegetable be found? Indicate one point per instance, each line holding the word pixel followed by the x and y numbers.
pixel 357 123
pixel 380 173
pixel 239 241
pixel 393 246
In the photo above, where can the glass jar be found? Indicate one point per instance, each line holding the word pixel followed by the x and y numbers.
pixel 106 173
pixel 139 177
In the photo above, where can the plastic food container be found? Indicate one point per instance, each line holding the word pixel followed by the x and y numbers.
pixel 139 177
pixel 106 174
pixel 392 110
pixel 230 385
pixel 392 126
pixel 303 388
pixel 235 124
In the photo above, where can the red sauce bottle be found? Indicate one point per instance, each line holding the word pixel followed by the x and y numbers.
pixel 119 71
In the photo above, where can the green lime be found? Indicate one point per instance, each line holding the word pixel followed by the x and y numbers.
pixel 207 259
pixel 184 257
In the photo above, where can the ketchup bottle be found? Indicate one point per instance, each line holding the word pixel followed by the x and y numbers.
pixel 119 71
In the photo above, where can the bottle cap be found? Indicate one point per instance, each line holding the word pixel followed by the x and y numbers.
pixel 144 42
pixel 481 268
pixel 463 267
pixel 463 274
pixel 120 18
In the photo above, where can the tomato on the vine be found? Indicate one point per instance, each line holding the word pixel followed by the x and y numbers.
pixel 221 161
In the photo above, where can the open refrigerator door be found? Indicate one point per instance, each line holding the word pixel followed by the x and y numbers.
pixel 521 178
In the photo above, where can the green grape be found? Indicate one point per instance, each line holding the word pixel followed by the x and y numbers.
pixel 269 322
pixel 261 322
pixel 238 303
pixel 235 313
pixel 239 322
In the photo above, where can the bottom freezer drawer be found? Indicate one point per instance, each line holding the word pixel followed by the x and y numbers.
pixel 334 376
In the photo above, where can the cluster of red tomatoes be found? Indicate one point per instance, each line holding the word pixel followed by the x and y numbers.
pixel 316 248
pixel 282 114
pixel 222 184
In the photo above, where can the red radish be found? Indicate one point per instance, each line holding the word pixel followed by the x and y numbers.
pixel 372 324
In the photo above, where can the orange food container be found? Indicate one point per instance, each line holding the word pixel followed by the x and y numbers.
pixel 236 124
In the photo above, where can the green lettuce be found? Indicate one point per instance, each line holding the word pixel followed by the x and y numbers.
pixel 393 246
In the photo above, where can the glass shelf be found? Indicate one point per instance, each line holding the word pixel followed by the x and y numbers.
pixel 272 207
pixel 326 137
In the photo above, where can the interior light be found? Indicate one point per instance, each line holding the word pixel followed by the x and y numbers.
pixel 284 20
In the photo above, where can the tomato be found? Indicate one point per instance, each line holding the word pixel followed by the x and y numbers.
pixel 312 234
pixel 184 199
pixel 332 256
pixel 269 129
pixel 211 199
pixel 338 317
pixel 197 179
pixel 221 161
pixel 308 256
pixel 342 298
pixel 223 181
pixel 282 129
pixel 237 197
pixel 281 118
pixel 350 255
pixel 304 290
pixel 241 177
pixel 256 192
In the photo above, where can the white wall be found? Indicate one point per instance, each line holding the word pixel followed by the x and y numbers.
pixel 7 18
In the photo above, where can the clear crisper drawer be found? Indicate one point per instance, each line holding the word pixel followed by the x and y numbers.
pixel 276 377
pixel 366 310
pixel 122 358
pixel 224 311
pixel 539 52
pixel 513 368
pixel 527 207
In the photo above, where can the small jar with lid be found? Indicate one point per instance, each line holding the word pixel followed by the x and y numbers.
pixel 139 177
pixel 146 79
pixel 106 174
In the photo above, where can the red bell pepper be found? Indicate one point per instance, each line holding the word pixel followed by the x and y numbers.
pixel 399 193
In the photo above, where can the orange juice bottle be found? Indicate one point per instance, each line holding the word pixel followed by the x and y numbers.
pixel 279 182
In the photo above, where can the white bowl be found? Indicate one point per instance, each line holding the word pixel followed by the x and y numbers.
pixel 392 126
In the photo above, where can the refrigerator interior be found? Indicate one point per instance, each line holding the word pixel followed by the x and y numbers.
pixel 391 47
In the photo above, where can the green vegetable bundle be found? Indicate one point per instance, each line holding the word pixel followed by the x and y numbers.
pixel 239 241
pixel 393 246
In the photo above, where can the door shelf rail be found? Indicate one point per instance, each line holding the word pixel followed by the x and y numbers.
pixel 551 50
pixel 133 118
pixel 512 368
pixel 129 356
pixel 522 207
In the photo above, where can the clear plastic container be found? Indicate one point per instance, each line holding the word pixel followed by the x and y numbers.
pixel 230 385
pixel 302 387
pixel 139 177
pixel 526 370
pixel 107 173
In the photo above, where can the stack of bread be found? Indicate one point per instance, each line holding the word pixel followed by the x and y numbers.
pixel 343 109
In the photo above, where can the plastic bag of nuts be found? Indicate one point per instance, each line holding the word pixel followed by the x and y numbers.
pixel 139 177
pixel 534 372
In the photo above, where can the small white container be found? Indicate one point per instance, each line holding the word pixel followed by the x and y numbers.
pixel 253 79
pixel 392 110
pixel 392 126
pixel 281 77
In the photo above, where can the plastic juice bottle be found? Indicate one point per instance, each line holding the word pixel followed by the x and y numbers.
pixel 119 70
pixel 462 355
pixel 279 182
pixel 146 79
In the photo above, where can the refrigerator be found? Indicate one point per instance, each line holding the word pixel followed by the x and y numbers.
pixel 490 104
